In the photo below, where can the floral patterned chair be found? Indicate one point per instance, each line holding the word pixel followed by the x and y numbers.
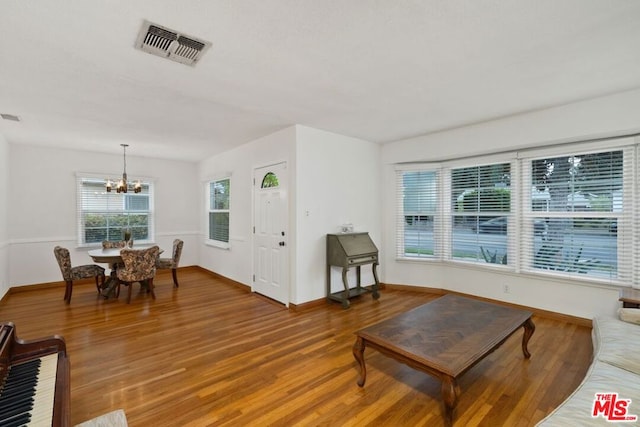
pixel 139 266
pixel 172 263
pixel 108 244
pixel 69 273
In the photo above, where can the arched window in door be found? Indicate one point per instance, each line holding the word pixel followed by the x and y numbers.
pixel 270 180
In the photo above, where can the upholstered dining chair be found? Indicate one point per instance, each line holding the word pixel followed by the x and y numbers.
pixel 139 266
pixel 69 273
pixel 108 244
pixel 172 263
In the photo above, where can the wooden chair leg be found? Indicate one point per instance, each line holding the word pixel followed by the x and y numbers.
pixel 129 285
pixel 150 285
pixel 99 282
pixel 174 272
pixel 67 291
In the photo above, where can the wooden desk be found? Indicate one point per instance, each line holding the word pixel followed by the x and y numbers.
pixel 444 338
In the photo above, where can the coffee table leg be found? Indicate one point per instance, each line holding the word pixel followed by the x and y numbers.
pixel 529 329
pixel 450 393
pixel 358 353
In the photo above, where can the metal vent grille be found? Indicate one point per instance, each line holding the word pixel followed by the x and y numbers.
pixel 169 44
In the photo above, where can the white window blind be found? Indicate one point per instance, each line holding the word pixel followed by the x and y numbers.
pixel 578 213
pixel 219 194
pixel 481 213
pixel 418 213
pixel 104 215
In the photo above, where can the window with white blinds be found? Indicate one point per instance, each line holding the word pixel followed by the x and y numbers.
pixel 219 192
pixel 105 215
pixel 564 211
pixel 580 205
pixel 480 212
pixel 418 213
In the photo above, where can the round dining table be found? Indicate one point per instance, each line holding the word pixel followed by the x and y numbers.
pixel 112 257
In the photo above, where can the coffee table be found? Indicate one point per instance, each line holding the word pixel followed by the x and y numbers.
pixel 444 338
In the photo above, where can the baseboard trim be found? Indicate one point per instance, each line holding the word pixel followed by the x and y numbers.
pixel 224 279
pixel 315 303
pixel 580 321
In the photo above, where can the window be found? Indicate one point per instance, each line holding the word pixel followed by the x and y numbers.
pixel 219 210
pixel 270 180
pixel 564 211
pixel 104 216
pixel 480 201
pixel 418 209
pixel 578 199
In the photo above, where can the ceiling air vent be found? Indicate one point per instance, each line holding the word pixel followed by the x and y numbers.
pixel 161 41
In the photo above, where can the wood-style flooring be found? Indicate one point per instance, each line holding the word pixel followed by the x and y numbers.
pixel 210 353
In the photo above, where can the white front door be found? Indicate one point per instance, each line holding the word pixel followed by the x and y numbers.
pixel 271 254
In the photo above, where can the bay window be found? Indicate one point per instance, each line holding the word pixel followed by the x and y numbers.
pixel 563 211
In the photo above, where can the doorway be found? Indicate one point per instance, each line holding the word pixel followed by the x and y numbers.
pixel 271 219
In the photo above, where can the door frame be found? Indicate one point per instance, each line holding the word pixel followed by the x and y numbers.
pixel 286 225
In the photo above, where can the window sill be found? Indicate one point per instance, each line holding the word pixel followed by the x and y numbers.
pixel 217 244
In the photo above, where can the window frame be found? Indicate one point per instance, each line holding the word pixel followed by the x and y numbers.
pixel 510 214
pixel 82 210
pixel 209 203
pixel 422 211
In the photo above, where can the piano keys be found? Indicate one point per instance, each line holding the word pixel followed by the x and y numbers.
pixel 34 380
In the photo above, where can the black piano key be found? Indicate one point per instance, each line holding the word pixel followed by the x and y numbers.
pixel 18 383
pixel 19 394
pixel 14 413
pixel 16 421
pixel 18 376
pixel 16 399
pixel 16 391
pixel 16 394
pixel 23 367
pixel 23 405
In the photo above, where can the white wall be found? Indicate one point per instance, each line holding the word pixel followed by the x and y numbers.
pixel 338 182
pixel 4 212
pixel 606 116
pixel 42 206
pixel 333 178
pixel 236 262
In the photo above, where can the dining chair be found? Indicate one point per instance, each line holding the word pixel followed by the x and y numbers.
pixel 109 244
pixel 172 263
pixel 69 273
pixel 139 266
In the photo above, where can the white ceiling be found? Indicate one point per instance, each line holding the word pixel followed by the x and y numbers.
pixel 372 69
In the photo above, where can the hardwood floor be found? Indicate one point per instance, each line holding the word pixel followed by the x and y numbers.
pixel 209 353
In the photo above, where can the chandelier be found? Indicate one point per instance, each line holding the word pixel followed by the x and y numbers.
pixel 123 186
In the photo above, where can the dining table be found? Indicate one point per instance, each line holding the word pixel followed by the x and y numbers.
pixel 112 257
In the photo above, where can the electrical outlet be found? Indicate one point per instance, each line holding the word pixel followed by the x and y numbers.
pixel 506 289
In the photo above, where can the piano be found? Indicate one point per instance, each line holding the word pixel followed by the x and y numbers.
pixel 34 380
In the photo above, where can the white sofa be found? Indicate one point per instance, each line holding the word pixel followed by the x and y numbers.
pixel 615 369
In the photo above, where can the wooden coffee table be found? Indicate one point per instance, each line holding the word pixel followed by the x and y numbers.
pixel 444 338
